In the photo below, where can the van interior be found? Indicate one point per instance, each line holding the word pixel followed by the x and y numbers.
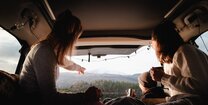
pixel 116 34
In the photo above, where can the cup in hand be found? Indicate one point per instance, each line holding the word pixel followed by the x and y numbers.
pixel 156 73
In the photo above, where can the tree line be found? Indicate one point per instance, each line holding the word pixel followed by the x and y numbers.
pixel 110 89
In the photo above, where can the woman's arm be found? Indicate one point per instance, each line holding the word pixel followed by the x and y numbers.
pixel 69 65
pixel 190 65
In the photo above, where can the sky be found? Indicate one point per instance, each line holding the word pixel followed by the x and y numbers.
pixel 9 51
pixel 138 62
pixel 134 63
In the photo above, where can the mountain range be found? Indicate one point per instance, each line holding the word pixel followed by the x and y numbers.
pixel 68 79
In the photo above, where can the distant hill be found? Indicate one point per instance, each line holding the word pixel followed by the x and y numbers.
pixel 67 79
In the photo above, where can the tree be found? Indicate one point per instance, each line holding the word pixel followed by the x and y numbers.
pixel 109 88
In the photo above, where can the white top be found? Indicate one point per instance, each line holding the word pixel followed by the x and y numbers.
pixel 188 73
pixel 39 74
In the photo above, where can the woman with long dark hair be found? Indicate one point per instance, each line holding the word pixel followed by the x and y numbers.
pixel 185 66
pixel 40 69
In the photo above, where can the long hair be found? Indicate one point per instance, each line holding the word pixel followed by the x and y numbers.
pixel 65 32
pixel 168 41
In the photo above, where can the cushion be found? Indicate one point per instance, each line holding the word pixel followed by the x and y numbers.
pixel 8 85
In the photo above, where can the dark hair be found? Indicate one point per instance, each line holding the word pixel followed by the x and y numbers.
pixel 65 32
pixel 168 41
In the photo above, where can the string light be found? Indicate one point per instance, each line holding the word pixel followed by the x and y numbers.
pixel 148 47
pixel 89 54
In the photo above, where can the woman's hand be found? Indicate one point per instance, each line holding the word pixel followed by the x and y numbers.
pixel 71 66
pixel 81 70
pixel 157 73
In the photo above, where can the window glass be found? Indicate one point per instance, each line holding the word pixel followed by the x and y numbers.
pixel 9 51
pixel 113 74
pixel 202 42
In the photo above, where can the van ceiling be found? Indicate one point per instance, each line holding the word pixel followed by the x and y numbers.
pixel 114 18
pixel 115 14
